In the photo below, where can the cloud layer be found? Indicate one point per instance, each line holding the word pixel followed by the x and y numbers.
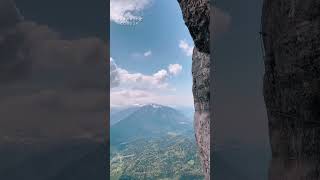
pixel 131 97
pixel 175 69
pixel 128 88
pixel 126 12
pixel 186 48
pixel 147 53
pixel 158 80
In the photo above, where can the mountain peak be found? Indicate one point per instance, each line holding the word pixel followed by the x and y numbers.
pixel 151 120
pixel 153 105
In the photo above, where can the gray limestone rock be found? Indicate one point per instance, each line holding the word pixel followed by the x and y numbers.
pixel 196 14
pixel 291 38
pixel 201 94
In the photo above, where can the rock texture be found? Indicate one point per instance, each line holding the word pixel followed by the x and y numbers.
pixel 201 94
pixel 196 14
pixel 291 38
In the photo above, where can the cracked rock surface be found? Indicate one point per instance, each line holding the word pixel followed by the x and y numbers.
pixel 196 14
pixel 291 37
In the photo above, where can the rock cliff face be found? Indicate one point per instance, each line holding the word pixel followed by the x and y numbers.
pixel 196 14
pixel 291 37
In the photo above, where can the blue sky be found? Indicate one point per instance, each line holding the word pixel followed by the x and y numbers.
pixel 151 53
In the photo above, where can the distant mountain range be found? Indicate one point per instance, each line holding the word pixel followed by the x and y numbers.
pixel 153 142
pixel 150 120
pixel 118 114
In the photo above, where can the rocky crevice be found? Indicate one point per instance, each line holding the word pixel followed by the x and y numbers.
pixel 291 38
pixel 196 14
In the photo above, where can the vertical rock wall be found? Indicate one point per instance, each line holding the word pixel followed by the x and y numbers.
pixel 196 14
pixel 291 37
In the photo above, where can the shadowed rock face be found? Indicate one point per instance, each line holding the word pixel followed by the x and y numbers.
pixel 291 37
pixel 196 14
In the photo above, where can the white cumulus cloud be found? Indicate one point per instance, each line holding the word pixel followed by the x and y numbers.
pixel 186 48
pixel 175 69
pixel 123 78
pixel 129 88
pixel 148 53
pixel 127 12
pixel 131 97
